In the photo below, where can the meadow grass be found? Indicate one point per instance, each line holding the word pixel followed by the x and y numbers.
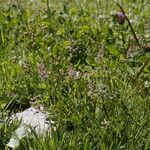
pixel 75 59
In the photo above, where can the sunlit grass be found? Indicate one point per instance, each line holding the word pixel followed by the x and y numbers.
pixel 74 58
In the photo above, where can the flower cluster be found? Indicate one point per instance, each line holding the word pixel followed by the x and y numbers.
pixel 42 70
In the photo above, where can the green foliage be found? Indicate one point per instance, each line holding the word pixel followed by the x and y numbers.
pixel 76 60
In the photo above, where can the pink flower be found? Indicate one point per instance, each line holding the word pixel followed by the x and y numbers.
pixel 120 17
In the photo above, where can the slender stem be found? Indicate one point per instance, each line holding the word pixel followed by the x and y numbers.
pixel 141 70
pixel 47 3
pixel 94 105
pixel 133 32
pixel 137 41
pixel 48 8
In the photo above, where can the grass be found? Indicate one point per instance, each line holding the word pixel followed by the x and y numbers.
pixel 74 58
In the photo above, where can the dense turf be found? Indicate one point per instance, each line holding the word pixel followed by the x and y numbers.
pixel 75 58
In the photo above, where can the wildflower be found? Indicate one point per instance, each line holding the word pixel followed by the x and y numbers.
pixel 72 72
pixel 120 17
pixel 42 70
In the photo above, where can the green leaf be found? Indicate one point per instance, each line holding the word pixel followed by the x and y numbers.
pixel 113 50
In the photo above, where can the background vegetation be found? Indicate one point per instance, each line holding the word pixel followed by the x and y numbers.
pixel 74 58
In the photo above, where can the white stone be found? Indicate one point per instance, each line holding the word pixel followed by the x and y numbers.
pixel 31 118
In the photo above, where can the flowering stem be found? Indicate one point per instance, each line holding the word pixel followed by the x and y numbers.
pixel 137 41
pixel 133 32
